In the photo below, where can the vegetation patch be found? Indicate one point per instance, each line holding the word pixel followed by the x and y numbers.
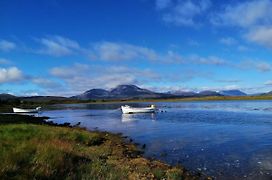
pixel 46 151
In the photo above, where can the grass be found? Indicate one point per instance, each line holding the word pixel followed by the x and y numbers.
pixel 37 150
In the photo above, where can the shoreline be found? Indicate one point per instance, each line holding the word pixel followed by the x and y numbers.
pixel 94 101
pixel 6 107
pixel 111 149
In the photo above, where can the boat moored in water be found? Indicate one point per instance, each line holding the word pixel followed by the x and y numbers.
pixel 130 110
pixel 20 110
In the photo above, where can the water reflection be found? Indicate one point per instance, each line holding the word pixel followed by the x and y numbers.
pixel 38 114
pixel 126 118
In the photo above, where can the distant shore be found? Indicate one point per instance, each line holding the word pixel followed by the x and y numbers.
pixel 208 98
pixel 6 106
pixel 35 148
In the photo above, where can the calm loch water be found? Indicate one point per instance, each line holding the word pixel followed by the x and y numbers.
pixel 224 139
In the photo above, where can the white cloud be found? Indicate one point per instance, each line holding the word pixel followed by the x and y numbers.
pixel 261 35
pixel 193 43
pixel 4 61
pixel 79 79
pixel 210 60
pixel 107 78
pixel 30 93
pixel 113 51
pixel 242 48
pixel 190 89
pixel 11 74
pixel 183 12
pixel 245 14
pixel 162 4
pixel 171 57
pixel 58 46
pixel 68 72
pixel 253 17
pixel 262 66
pixel 106 81
pixel 228 41
pixel 227 87
pixel 139 76
pixel 45 83
pixel 167 88
pixel 228 80
pixel 7 45
pixel 230 87
pixel 268 83
pixel 258 65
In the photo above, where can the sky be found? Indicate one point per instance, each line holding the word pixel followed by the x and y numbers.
pixel 65 47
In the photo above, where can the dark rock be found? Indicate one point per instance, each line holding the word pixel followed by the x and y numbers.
pixel 77 124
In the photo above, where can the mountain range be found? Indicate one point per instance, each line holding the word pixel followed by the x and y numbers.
pixel 234 92
pixel 129 92
pixel 132 91
pixel 121 92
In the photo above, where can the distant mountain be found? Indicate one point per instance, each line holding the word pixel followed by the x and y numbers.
pixel 42 98
pixel 135 92
pixel 127 92
pixel 94 94
pixel 208 93
pixel 7 97
pixel 269 93
pixel 234 92
pixel 184 93
pixel 124 91
pixel 120 92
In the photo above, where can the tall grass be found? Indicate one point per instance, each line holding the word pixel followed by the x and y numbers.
pixel 29 151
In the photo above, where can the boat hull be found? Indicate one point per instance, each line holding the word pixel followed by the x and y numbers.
pixel 19 110
pixel 130 110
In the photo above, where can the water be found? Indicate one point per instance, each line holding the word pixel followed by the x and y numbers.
pixel 224 139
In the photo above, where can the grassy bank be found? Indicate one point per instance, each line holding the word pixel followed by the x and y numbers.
pixel 32 149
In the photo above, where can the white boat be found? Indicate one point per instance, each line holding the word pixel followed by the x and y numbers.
pixel 19 110
pixel 130 110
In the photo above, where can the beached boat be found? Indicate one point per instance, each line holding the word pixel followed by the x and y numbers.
pixel 20 110
pixel 130 110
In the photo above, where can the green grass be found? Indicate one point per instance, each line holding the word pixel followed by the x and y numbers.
pixel 40 151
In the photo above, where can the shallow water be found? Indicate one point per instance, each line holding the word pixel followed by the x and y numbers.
pixel 224 139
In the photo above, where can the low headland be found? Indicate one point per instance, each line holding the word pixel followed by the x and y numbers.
pixel 35 148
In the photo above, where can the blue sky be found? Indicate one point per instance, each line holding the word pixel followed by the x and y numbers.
pixel 65 47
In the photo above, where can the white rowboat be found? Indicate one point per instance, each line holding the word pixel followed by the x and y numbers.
pixel 19 110
pixel 130 110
